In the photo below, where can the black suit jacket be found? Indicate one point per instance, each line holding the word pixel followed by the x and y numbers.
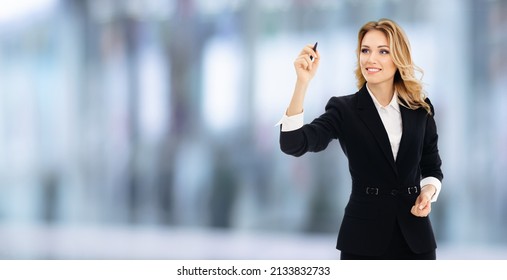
pixel 369 219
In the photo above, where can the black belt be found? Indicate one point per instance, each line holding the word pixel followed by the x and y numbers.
pixel 375 191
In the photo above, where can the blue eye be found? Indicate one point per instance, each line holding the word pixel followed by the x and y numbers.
pixel 365 50
pixel 384 52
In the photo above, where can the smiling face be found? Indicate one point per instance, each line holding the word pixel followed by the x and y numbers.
pixel 375 60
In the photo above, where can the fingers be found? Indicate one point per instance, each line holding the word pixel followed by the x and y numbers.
pixel 308 50
pixel 303 57
pixel 310 53
pixel 306 67
pixel 423 203
pixel 313 53
pixel 422 206
pixel 420 213
pixel 303 63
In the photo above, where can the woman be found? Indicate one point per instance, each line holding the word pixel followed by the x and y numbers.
pixel 389 135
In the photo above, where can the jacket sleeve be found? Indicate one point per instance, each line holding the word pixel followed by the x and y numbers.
pixel 430 161
pixel 313 137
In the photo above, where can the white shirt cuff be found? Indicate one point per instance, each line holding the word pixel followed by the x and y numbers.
pixel 291 123
pixel 435 182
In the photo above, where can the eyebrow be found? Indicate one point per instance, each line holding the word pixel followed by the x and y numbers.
pixel 381 46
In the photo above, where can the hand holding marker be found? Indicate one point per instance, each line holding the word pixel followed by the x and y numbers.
pixel 314 49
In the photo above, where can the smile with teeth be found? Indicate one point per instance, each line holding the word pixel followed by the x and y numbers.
pixel 373 70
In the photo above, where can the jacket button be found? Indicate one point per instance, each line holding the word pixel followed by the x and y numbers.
pixel 394 192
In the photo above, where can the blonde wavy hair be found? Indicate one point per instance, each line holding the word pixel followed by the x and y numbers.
pixel 408 86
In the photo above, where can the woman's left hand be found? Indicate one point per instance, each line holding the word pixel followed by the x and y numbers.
pixel 422 206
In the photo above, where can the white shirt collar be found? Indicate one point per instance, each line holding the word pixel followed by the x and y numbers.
pixel 394 101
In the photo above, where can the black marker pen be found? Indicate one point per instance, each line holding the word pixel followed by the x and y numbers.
pixel 314 49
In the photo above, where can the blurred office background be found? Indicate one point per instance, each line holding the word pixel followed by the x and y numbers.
pixel 142 129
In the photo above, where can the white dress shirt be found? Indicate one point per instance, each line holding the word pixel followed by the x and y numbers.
pixel 391 118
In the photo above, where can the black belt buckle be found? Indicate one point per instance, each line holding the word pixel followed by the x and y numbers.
pixel 412 190
pixel 371 191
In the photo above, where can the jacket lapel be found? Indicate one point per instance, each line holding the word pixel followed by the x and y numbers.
pixel 409 121
pixel 369 115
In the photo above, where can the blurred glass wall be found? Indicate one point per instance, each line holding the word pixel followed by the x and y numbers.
pixel 160 114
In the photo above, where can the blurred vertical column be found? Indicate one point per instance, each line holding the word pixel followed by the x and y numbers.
pixel 488 132
pixel 498 68
pixel 481 133
pixel 451 98
pixel 86 198
pixel 32 100
pixel 485 186
pixel 184 161
pixel 248 211
pixel 118 76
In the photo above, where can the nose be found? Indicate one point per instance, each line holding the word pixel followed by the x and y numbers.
pixel 372 58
